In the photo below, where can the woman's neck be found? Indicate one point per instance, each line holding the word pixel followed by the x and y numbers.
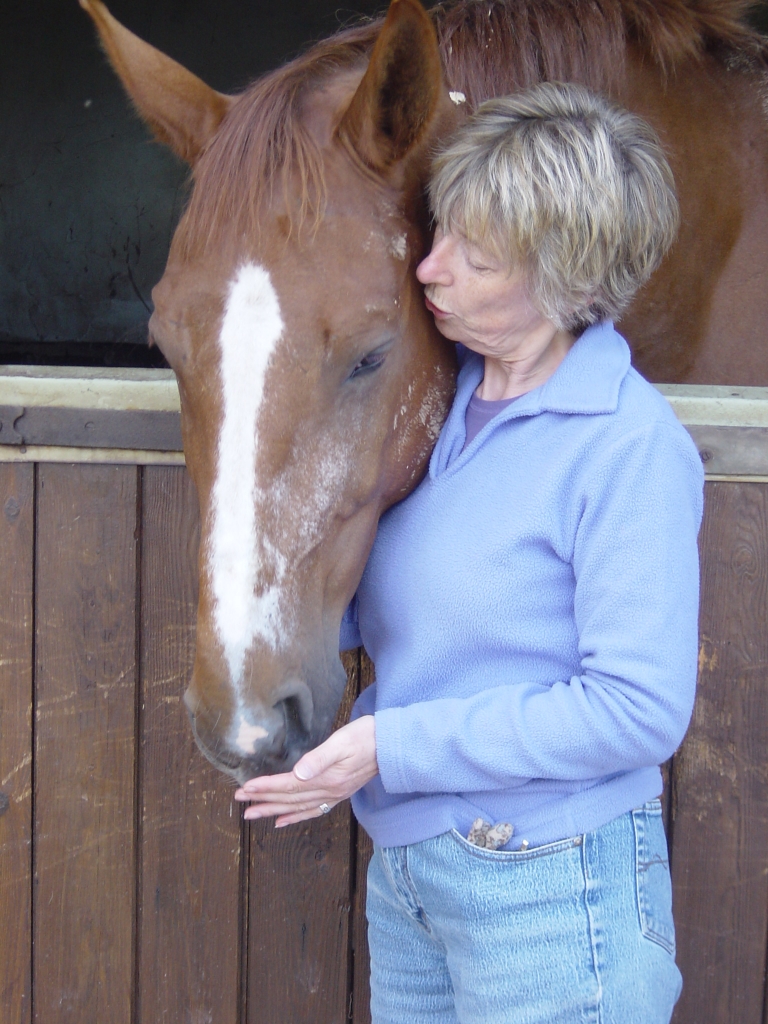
pixel 513 376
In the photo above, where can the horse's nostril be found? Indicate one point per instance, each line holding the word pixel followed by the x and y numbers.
pixel 294 699
pixel 294 722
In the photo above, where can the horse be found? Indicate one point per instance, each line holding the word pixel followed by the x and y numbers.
pixel 312 380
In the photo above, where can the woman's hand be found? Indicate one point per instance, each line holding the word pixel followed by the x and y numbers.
pixel 326 775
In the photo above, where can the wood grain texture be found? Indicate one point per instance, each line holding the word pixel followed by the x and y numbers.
pixel 299 909
pixel 16 622
pixel 91 428
pixel 361 961
pixel 84 750
pixel 189 908
pixel 720 796
pixel 361 964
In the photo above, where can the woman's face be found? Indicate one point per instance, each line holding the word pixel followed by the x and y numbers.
pixel 477 301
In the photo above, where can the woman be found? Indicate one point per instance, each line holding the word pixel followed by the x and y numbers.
pixel 531 608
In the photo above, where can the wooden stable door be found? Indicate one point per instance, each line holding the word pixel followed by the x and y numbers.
pixel 129 888
pixel 131 892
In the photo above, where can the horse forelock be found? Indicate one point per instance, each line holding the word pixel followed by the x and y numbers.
pixel 488 48
pixel 263 146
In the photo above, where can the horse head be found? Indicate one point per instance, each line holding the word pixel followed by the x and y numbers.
pixel 312 381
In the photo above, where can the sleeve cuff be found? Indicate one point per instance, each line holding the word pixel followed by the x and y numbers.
pixel 389 751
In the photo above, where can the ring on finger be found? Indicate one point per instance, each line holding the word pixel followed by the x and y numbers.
pixel 324 808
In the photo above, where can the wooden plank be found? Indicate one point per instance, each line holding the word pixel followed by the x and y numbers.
pixel 720 804
pixel 737 451
pixel 299 909
pixel 361 962
pixel 189 916
pixel 16 623
pixel 84 744
pixel 361 966
pixel 90 428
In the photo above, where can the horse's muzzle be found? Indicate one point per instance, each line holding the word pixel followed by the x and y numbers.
pixel 258 741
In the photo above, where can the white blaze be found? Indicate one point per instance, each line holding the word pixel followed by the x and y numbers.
pixel 250 330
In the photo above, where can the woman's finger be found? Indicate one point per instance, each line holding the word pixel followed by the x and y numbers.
pixel 286 787
pixel 293 819
pixel 292 801
pixel 272 810
pixel 285 783
pixel 313 809
pixel 305 797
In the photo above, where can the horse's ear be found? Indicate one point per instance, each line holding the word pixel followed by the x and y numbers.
pixel 398 96
pixel 181 110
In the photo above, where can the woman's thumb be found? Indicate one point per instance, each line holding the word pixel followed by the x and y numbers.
pixel 309 766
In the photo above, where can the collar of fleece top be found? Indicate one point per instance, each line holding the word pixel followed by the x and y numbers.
pixel 573 388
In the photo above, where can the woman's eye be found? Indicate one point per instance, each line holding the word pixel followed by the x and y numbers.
pixel 368 364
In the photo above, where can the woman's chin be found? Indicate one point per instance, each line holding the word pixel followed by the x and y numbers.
pixel 450 330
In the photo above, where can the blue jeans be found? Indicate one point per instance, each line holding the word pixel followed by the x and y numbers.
pixel 573 932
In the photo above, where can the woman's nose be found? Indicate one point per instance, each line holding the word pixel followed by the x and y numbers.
pixel 434 268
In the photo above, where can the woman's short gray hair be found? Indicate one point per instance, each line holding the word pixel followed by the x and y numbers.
pixel 566 185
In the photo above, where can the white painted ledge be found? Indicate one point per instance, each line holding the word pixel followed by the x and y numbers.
pixel 77 387
pixel 717 405
pixel 104 456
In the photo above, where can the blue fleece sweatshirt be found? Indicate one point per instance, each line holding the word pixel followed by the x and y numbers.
pixel 531 610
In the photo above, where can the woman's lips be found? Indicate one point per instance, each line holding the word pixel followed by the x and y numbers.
pixel 435 310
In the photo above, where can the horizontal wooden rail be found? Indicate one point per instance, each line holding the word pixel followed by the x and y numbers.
pixel 112 416
pixel 729 426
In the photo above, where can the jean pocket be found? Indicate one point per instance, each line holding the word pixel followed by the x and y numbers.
pixel 514 856
pixel 653 881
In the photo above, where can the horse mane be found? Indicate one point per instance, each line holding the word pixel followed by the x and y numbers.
pixel 262 141
pixel 583 41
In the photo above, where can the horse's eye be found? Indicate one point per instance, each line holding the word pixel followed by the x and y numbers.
pixel 369 363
